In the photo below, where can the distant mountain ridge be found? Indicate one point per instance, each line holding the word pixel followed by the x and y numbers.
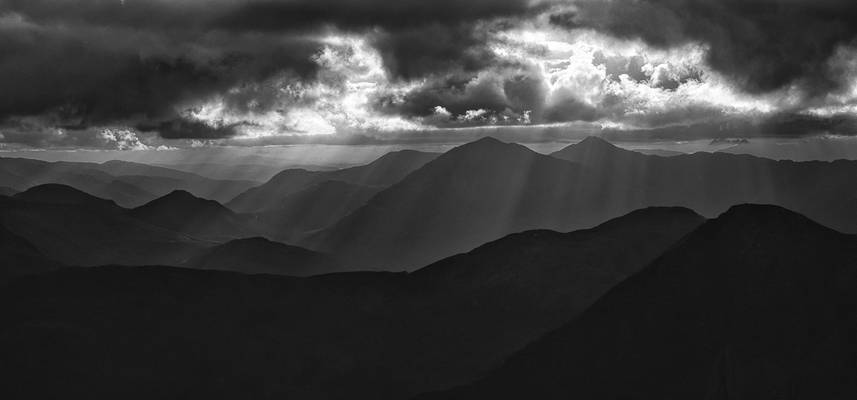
pixel 487 189
pixel 129 184
pixel 710 183
pixel 384 171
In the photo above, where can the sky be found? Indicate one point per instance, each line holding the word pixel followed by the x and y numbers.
pixel 126 75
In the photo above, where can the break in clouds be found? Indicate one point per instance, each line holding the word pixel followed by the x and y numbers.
pixel 139 74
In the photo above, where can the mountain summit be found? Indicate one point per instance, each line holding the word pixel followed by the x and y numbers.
pixel 185 213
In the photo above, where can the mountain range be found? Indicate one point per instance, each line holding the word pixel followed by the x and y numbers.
pixel 408 209
pixel 71 227
pixel 487 189
pixel 588 273
pixel 380 173
pixel 655 304
pixel 129 184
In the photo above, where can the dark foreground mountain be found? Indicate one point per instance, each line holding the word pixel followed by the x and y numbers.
pixel 185 213
pixel 383 172
pixel 261 256
pixel 155 332
pixel 20 257
pixel 759 303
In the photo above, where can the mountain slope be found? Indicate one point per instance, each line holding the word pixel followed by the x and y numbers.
pixel 758 303
pixel 315 207
pixel 261 256
pixel 471 194
pixel 499 296
pixel 385 171
pixel 20 257
pixel 183 212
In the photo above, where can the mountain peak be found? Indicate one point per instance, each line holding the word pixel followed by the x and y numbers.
pixel 592 148
pixel 766 214
pixel 183 200
pixel 489 144
pixel 595 141
pixel 488 139
pixel 654 215
pixel 486 142
pixel 181 194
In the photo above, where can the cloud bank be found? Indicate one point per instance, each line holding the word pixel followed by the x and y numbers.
pixel 262 71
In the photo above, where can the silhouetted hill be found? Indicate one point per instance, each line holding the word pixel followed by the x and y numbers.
pixel 160 180
pixel 262 256
pixel 183 212
pixel 385 171
pixel 497 297
pixel 336 336
pixel 22 173
pixel 758 303
pixel 315 207
pixel 710 183
pixel 54 193
pixel 129 184
pixel 471 194
pixel 77 229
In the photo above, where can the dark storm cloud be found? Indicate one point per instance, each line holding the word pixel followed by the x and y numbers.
pixel 97 62
pixel 357 14
pixel 90 75
pixel 760 44
pixel 416 38
pixel 180 128
pixel 433 49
